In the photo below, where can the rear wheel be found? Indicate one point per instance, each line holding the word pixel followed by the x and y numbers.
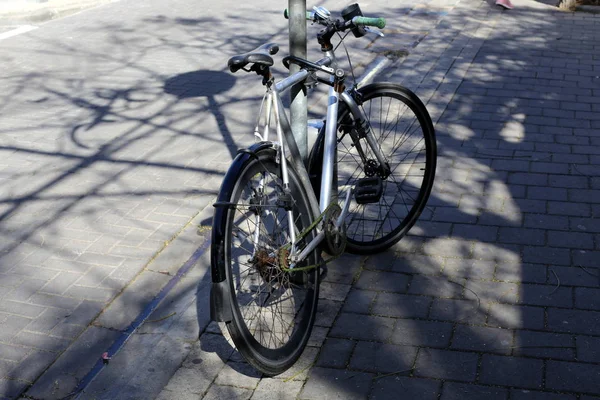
pixel 273 310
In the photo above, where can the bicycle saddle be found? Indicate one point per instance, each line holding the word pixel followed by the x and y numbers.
pixel 260 55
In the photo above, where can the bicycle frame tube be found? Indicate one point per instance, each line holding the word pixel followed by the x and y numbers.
pixel 358 114
pixel 329 152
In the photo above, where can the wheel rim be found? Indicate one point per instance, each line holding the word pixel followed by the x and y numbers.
pixel 273 309
pixel 399 133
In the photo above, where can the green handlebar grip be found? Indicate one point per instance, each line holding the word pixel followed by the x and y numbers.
pixel 286 14
pixel 366 21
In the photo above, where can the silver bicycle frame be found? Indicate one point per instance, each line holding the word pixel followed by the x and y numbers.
pixel 285 136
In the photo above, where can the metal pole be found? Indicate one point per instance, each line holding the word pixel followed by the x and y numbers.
pixel 298 105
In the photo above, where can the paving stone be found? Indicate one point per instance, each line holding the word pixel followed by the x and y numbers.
pixel 218 392
pixel 448 248
pixel 569 209
pixel 327 311
pixel 471 269
pixel 302 367
pixel 382 261
pixel 546 193
pixel 25 290
pixel 533 273
pixel 336 384
pixel 345 269
pixel 359 301
pixel 482 339
pixel 461 311
pixel 402 306
pixel 382 281
pixel 10 388
pixel 12 326
pixel 515 317
pixel 573 321
pixel 333 291
pixel 570 376
pixel 586 298
pixel 383 358
pixel 511 371
pixel 167 395
pixel 277 389
pixel 32 366
pixel 355 326
pixel 535 237
pixel 461 391
pixel 546 255
pixel 543 221
pixel 534 395
pixel 505 254
pixel 444 364
pixel 421 333
pixel 43 342
pixel 588 348
pixel 187 380
pixel 335 353
pixel 431 228
pixel 451 214
pixel 546 295
pixel 586 258
pixel 490 291
pixel 13 353
pixel 436 286
pixel 67 331
pixel 570 240
pixel 409 263
pixel 48 320
pixel 544 345
pixel 388 388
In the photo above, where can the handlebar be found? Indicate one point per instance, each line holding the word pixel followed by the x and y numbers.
pixel 356 21
pixel 366 21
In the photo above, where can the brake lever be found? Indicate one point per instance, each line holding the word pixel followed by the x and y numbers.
pixel 374 31
pixel 321 12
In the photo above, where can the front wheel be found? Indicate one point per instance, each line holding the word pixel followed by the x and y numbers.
pixel 273 310
pixel 404 134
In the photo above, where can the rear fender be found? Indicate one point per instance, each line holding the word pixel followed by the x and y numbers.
pixel 220 296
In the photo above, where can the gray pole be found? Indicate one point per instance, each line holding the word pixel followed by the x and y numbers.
pixel 298 106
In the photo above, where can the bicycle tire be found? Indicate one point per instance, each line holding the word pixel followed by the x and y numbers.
pixel 273 311
pixel 371 228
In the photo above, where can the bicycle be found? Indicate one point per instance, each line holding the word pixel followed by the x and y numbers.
pixel 270 232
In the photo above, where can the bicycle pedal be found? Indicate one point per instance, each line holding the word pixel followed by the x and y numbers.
pixel 368 190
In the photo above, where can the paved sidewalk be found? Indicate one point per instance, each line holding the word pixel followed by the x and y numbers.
pixel 494 293
pixel 29 11
pixel 116 126
pixel 118 123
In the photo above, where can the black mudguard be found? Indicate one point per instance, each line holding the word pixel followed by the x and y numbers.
pixel 220 294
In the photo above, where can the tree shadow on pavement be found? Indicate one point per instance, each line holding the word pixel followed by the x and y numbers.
pixel 127 146
pixel 488 293
pixel 109 147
